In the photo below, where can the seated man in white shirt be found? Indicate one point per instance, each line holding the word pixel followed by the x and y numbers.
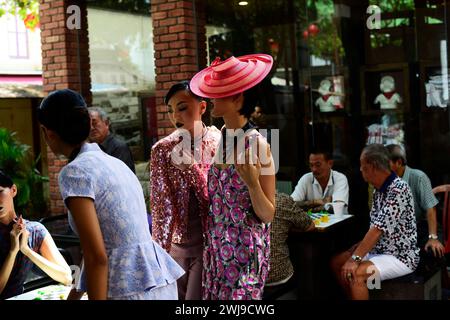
pixel 322 184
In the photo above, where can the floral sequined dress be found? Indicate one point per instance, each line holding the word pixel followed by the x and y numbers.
pixel 237 244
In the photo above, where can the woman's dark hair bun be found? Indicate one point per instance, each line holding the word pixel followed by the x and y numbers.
pixel 65 112
pixel 5 180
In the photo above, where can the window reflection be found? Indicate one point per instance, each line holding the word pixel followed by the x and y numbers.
pixel 338 84
pixel 122 70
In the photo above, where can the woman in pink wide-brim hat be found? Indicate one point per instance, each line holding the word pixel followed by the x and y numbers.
pixel 241 184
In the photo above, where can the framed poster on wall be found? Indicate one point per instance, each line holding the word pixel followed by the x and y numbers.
pixel 385 88
pixel 329 90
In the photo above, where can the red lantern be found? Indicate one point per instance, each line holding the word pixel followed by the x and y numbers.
pixel 274 46
pixel 313 29
pixel 305 34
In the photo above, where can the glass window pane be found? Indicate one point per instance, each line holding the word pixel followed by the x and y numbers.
pixel 12 45
pixel 122 69
pixel 343 78
pixel 23 45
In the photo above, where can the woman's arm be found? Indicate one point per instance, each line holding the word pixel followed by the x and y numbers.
pixel 6 268
pixel 92 244
pixel 162 201
pixel 49 260
pixel 262 195
pixel 261 186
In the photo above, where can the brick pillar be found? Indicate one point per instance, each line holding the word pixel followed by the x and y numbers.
pixel 65 64
pixel 179 37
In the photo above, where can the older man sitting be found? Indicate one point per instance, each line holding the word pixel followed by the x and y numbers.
pixel 424 200
pixel 389 249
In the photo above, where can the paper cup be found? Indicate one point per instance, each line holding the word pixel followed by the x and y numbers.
pixel 338 208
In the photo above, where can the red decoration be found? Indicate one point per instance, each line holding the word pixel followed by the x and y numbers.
pixel 29 18
pixel 31 21
pixel 313 29
pixel 274 46
pixel 305 34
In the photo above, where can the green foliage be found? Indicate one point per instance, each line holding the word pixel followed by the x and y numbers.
pixel 16 160
pixel 326 43
pixel 133 6
pixel 379 40
pixel 393 5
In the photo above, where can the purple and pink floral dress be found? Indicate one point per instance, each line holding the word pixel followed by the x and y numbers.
pixel 237 243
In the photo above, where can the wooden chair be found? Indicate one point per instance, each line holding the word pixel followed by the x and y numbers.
pixel 445 214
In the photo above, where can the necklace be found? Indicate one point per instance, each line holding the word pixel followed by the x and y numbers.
pixel 194 140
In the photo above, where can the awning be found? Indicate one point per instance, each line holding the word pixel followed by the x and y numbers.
pixel 21 86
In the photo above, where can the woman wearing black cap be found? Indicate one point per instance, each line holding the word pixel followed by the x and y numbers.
pixel 22 244
pixel 107 210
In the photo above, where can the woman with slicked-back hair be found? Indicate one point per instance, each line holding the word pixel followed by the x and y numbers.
pixel 179 198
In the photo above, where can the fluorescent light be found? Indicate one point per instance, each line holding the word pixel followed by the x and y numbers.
pixel 243 3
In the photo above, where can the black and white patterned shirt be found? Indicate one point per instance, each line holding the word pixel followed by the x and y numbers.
pixel 393 213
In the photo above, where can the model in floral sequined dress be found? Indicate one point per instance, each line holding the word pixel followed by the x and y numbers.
pixel 179 198
pixel 241 191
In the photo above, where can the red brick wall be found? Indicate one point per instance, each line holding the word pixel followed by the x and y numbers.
pixel 179 37
pixel 65 64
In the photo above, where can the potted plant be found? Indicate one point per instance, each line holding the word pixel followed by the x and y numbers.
pixel 17 161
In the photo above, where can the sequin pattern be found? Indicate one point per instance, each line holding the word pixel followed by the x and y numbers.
pixel 170 187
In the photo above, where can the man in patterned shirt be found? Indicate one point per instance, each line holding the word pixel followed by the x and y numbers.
pixel 424 200
pixel 389 249
pixel 288 214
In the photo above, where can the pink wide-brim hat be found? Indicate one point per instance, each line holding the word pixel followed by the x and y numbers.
pixel 234 75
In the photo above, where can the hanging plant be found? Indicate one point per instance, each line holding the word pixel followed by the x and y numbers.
pixel 27 10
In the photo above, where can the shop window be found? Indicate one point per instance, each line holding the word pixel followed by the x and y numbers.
pixel 17 38
pixel 340 85
pixel 122 67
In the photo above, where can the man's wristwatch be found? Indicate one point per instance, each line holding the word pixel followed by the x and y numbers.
pixel 433 236
pixel 356 258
